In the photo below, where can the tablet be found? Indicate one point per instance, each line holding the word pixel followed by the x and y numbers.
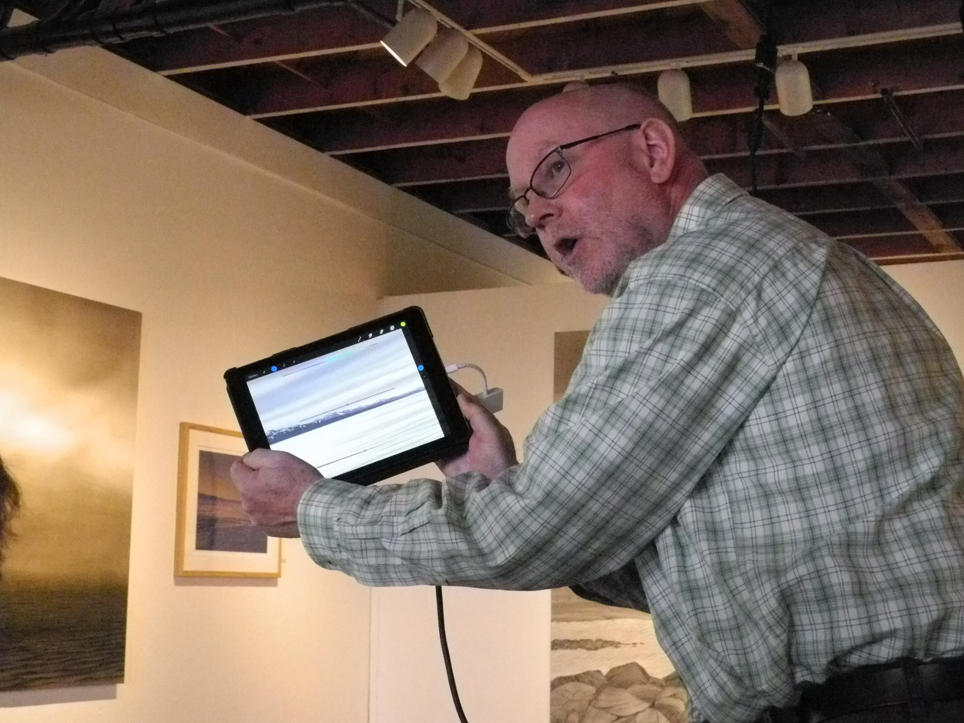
pixel 360 406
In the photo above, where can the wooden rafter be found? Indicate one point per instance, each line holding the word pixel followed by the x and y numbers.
pixel 739 23
pixel 870 163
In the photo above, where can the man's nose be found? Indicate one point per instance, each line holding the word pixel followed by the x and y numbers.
pixel 540 211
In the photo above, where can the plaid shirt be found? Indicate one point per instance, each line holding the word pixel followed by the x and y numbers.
pixel 765 434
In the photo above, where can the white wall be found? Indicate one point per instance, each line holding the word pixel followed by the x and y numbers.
pixel 226 261
pixel 939 288
pixel 420 248
pixel 500 640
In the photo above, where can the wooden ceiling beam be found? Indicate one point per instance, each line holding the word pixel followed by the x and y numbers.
pixel 441 120
pixel 842 75
pixel 852 197
pixel 828 166
pixel 347 82
pixel 919 214
pixel 897 246
pixel 351 82
pixel 877 222
pixel 438 164
pixel 872 164
pixel 900 67
pixel 857 196
pixel 279 38
pixel 340 29
pixel 368 79
pixel 937 116
pixel 321 77
pixel 486 159
pixel 932 161
pixel 486 18
pixel 638 39
pixel 344 30
pixel 739 23
pixel 802 21
pixel 483 196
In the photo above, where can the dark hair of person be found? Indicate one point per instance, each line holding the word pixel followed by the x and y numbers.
pixel 9 506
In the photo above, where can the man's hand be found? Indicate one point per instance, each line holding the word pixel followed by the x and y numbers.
pixel 271 484
pixel 491 450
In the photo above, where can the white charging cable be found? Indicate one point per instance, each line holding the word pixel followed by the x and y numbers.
pixel 491 399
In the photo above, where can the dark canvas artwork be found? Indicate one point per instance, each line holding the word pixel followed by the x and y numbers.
pixel 68 397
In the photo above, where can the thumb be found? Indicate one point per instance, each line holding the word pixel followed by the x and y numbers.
pixel 257 458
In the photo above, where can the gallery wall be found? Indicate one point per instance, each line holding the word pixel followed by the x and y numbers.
pixel 939 288
pixel 500 640
pixel 226 260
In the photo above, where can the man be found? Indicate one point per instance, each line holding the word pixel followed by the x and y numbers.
pixel 763 444
pixel 9 506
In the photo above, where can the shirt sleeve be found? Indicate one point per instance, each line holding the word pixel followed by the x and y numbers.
pixel 670 372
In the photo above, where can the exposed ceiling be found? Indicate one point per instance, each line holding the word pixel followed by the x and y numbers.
pixel 878 163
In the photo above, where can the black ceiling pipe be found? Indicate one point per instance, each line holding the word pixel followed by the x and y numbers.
pixel 142 21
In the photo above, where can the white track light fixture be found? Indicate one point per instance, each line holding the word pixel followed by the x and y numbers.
pixel 673 87
pixel 459 83
pixel 411 35
pixel 443 54
pixel 794 93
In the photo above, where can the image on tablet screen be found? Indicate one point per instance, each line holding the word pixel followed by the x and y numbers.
pixel 348 408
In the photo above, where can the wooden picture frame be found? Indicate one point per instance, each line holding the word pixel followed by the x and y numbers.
pixel 214 536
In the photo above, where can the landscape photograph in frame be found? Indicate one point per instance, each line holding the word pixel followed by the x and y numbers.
pixel 215 537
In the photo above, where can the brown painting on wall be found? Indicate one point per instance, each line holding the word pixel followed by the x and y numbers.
pixel 605 663
pixel 68 406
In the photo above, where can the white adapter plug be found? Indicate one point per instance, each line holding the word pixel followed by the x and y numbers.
pixel 491 399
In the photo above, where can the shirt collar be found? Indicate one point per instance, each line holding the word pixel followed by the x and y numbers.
pixel 703 204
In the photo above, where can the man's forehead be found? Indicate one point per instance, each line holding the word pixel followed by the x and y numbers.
pixel 535 136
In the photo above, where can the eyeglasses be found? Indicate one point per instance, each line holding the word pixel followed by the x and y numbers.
pixel 548 180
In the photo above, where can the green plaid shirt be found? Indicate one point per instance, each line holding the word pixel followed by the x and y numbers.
pixel 765 434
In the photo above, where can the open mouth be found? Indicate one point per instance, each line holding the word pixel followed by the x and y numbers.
pixel 566 245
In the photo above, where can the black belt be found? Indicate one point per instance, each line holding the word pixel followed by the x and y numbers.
pixel 907 685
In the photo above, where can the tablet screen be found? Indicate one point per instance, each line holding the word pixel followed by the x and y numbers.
pixel 364 404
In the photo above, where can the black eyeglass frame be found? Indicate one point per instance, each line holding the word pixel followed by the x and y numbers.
pixel 516 219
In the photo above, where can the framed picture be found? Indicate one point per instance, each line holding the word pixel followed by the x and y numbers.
pixel 215 538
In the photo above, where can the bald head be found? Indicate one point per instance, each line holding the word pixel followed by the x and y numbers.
pixel 589 110
pixel 622 190
pixel 614 104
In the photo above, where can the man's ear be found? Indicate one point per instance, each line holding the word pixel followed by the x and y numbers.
pixel 658 143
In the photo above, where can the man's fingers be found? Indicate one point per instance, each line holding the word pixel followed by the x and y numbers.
pixel 258 458
pixel 471 409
